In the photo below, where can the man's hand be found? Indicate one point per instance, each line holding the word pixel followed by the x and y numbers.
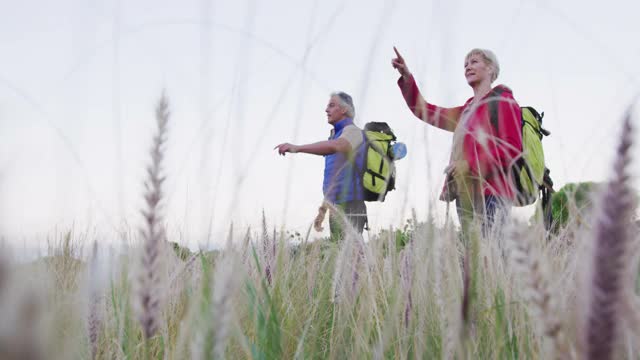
pixel 285 148
pixel 325 147
pixel 317 223
pixel 399 64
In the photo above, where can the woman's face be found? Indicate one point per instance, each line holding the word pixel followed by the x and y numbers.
pixel 476 70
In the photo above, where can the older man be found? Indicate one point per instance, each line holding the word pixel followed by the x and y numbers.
pixel 344 154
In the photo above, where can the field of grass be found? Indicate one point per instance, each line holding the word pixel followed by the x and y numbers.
pixel 417 292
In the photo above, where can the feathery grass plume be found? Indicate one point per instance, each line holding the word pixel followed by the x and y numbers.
pixel 153 232
pixel 631 301
pixel 21 336
pixel 273 251
pixel 224 288
pixel 611 242
pixel 338 274
pixel 196 334
pixel 406 277
pixel 466 294
pixel 470 268
pixel 471 271
pixel 246 248
pixel 266 248
pixel 4 268
pixel 351 243
pixel 529 265
pixel 94 318
pixel 448 277
pixel 313 267
pixel 388 258
pixel 197 346
pixel 185 269
pixel 360 255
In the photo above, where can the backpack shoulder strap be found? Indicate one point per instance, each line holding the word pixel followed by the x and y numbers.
pixel 494 98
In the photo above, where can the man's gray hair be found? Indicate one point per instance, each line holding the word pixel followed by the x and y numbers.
pixel 346 102
pixel 489 57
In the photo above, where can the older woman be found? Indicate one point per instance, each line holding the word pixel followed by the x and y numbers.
pixel 486 137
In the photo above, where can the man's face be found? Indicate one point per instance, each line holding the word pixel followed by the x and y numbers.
pixel 334 110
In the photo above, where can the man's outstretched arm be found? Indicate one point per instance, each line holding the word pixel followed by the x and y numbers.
pixel 326 147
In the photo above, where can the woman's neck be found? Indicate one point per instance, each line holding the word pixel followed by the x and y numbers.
pixel 480 90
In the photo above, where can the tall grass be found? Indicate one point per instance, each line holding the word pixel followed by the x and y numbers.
pixel 609 257
pixel 150 279
pixel 405 294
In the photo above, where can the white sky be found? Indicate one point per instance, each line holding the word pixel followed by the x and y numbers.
pixel 79 81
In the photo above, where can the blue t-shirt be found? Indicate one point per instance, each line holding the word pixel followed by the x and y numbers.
pixel 343 171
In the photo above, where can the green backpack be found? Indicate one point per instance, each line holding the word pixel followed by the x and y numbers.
pixel 529 170
pixel 379 173
pixel 530 176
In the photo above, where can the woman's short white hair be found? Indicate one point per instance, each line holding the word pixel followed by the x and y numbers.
pixel 489 57
pixel 346 102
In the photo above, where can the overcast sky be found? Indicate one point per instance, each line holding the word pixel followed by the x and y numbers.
pixel 79 81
